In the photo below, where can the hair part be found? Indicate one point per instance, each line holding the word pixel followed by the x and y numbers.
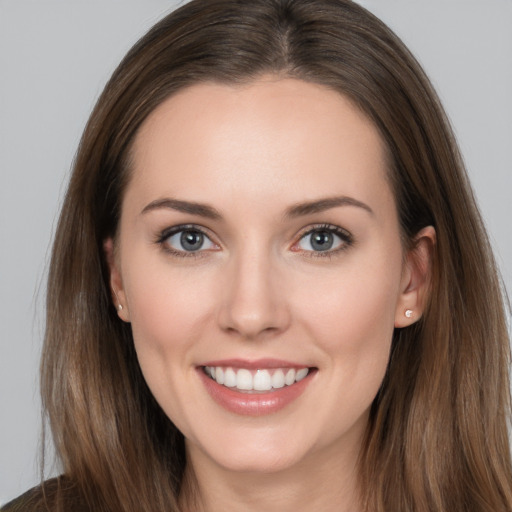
pixel 438 434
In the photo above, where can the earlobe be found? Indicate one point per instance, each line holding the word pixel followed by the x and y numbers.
pixel 416 278
pixel 116 282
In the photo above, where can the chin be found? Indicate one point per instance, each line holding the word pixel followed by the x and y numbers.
pixel 258 456
pixel 260 463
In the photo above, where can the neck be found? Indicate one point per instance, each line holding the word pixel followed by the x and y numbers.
pixel 320 482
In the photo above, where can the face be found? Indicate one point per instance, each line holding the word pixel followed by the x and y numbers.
pixel 260 265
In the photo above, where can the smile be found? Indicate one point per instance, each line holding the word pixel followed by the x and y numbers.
pixel 255 388
pixel 246 380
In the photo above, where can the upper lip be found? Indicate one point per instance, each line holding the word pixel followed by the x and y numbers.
pixel 255 364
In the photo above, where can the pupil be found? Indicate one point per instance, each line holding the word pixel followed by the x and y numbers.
pixel 322 240
pixel 191 240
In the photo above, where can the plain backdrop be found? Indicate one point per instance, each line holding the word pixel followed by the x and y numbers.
pixel 55 57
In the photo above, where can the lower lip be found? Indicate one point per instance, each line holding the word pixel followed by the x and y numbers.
pixel 254 404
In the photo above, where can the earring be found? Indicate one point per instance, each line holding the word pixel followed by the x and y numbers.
pixel 119 306
pixel 408 313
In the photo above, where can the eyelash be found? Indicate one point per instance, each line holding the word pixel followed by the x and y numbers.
pixel 345 237
pixel 169 232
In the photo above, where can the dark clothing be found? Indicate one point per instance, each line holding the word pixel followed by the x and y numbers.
pixel 55 495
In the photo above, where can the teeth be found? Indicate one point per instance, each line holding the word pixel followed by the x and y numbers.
pixel 230 379
pixel 259 380
pixel 289 378
pixel 244 380
pixel 262 381
pixel 301 374
pixel 278 379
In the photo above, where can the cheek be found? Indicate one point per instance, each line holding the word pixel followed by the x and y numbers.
pixel 167 308
pixel 170 311
pixel 351 313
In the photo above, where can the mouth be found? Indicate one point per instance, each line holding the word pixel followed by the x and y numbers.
pixel 255 388
pixel 260 380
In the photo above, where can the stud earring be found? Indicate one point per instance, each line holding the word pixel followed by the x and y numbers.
pixel 119 305
pixel 408 313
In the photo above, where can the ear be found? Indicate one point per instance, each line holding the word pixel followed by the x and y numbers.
pixel 116 283
pixel 416 277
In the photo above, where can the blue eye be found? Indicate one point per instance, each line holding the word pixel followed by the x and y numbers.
pixel 186 240
pixel 324 239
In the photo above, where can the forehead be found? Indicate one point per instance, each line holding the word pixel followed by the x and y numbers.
pixel 273 138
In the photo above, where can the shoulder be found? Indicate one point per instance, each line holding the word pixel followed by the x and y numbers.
pixel 55 495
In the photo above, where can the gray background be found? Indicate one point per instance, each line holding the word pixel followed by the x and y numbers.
pixel 55 56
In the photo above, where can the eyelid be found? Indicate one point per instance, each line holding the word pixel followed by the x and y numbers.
pixel 172 230
pixel 166 233
pixel 343 234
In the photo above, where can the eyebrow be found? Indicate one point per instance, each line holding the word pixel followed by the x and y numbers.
pixel 202 210
pixel 297 210
pixel 320 205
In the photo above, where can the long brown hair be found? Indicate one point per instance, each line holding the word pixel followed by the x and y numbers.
pixel 437 439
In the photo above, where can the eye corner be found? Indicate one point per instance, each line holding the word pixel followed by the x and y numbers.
pixel 176 247
pixel 294 247
pixel 340 240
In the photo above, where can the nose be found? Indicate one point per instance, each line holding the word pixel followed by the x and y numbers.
pixel 254 297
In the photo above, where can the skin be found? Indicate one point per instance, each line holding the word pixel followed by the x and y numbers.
pixel 256 289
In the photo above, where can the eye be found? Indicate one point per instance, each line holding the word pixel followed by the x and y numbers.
pixel 324 239
pixel 182 240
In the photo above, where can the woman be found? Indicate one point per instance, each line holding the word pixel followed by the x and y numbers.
pixel 270 285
